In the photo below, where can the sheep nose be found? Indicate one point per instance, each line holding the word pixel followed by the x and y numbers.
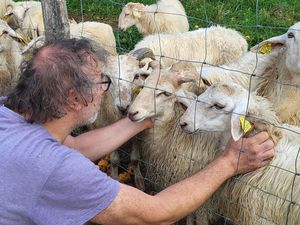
pixel 123 110
pixel 131 115
pixel 183 124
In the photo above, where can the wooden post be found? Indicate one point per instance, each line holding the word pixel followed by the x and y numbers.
pixel 56 22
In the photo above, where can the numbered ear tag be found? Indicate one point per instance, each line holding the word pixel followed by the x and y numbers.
pixel 136 13
pixel 245 124
pixel 266 48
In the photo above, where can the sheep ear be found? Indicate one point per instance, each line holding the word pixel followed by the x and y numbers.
pixel 136 9
pixel 236 129
pixel 184 72
pixel 267 46
pixel 136 13
pixel 9 11
pixel 183 78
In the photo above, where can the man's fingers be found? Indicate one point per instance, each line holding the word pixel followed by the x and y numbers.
pixel 268 155
pixel 259 138
pixel 267 145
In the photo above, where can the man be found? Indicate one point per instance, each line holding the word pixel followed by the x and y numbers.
pixel 45 181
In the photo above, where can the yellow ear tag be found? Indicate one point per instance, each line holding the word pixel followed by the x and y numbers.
pixel 136 91
pixel 265 49
pixel 6 18
pixel 23 39
pixel 136 13
pixel 245 124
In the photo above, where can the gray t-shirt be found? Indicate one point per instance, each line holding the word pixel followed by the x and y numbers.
pixel 45 182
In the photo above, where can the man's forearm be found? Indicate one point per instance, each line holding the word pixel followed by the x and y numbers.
pixel 100 142
pixel 186 196
pixel 169 205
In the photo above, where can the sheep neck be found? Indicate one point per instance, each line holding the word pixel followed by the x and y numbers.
pixel 282 88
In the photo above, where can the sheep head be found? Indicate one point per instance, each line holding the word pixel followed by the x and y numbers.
pixel 221 108
pixel 131 12
pixel 126 72
pixel 158 96
pixel 16 10
pixel 289 43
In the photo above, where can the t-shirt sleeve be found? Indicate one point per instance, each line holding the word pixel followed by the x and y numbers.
pixel 75 192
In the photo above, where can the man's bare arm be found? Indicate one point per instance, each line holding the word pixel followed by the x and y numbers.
pixel 132 206
pixel 100 142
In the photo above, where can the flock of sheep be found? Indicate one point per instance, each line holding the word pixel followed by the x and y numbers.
pixel 191 82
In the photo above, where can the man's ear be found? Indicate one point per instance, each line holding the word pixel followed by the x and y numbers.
pixel 236 129
pixel 74 101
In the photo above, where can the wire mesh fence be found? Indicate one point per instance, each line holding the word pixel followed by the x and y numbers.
pixel 165 154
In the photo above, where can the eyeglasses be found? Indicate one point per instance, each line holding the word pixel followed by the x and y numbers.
pixel 105 83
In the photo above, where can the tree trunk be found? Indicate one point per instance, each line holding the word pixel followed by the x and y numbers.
pixel 56 22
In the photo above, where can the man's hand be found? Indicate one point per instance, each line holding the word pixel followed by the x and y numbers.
pixel 148 123
pixel 248 154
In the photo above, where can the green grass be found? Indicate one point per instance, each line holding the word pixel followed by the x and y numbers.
pixel 273 15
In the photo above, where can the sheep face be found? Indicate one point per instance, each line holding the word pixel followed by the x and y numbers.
pixel 218 109
pixel 292 42
pixel 289 43
pixel 124 71
pixel 16 10
pixel 129 15
pixel 157 98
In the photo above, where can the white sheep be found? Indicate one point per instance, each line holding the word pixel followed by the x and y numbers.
pixel 101 33
pixel 244 70
pixel 266 196
pixel 167 16
pixel 10 56
pixel 124 70
pixel 214 45
pixel 281 82
pixel 3 6
pixel 277 73
pixel 28 16
pixel 171 155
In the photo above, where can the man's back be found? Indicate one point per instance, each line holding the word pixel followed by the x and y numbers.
pixel 37 175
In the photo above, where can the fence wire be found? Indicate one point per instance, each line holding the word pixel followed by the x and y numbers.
pixel 178 154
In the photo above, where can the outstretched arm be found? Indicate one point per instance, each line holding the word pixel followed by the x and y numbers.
pixel 100 142
pixel 132 206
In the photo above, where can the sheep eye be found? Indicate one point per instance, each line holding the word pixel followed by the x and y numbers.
pixel 183 106
pixel 291 35
pixel 140 76
pixel 218 106
pixel 165 93
pixel 127 14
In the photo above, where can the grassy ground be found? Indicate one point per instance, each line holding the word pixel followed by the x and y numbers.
pixel 274 16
